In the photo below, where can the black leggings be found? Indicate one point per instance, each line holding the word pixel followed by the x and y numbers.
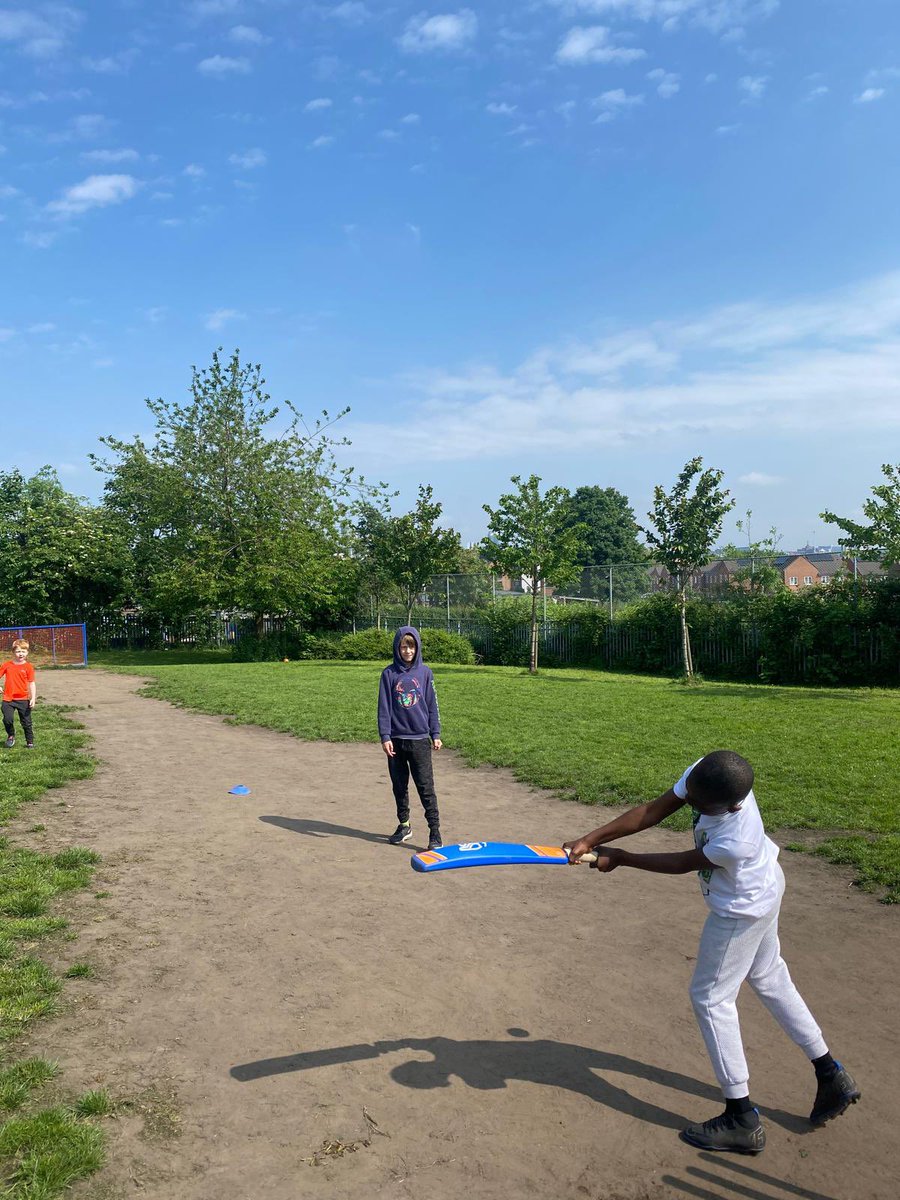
pixel 23 708
pixel 413 757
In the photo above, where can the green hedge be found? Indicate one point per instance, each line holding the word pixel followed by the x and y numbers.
pixel 367 644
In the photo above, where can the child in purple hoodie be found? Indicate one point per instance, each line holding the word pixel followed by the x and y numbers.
pixel 409 725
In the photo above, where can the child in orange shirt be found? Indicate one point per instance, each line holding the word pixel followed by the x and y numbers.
pixel 19 693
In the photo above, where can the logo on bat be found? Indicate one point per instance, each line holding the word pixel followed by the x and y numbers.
pixel 472 845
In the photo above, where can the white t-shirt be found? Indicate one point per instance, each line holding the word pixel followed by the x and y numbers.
pixel 745 882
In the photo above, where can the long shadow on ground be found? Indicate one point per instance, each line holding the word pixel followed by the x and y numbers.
pixel 322 829
pixel 488 1065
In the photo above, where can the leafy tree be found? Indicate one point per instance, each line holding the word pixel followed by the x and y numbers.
pixel 225 514
pixel 59 555
pixel 684 525
pixel 612 540
pixel 758 574
pixel 417 548
pixel 530 535
pixel 881 536
pixel 373 528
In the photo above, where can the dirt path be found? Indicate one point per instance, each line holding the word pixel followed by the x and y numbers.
pixel 273 978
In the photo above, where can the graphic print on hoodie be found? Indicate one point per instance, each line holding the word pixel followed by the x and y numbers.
pixel 407 701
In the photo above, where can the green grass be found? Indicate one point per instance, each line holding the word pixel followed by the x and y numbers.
pixel 826 760
pixel 47 1152
pixel 57 759
pixel 42 1151
pixel 80 970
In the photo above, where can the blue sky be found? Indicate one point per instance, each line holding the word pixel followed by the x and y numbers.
pixel 584 238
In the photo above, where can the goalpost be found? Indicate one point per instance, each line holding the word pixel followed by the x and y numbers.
pixel 51 645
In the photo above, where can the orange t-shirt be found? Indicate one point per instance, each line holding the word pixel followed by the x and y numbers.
pixel 18 676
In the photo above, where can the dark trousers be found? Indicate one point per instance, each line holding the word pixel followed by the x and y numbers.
pixel 413 757
pixel 23 708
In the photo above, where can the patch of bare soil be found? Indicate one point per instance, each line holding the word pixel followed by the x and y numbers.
pixel 293 1012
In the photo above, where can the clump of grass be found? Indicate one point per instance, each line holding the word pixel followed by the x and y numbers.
pixel 80 970
pixel 28 989
pixel 48 1152
pixel 874 861
pixel 101 895
pixel 94 1104
pixel 19 1081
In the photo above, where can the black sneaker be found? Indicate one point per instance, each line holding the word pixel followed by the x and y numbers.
pixel 726 1132
pixel 435 841
pixel 401 834
pixel 10 742
pixel 29 745
pixel 834 1096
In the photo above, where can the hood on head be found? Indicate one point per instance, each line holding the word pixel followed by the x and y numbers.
pixel 398 661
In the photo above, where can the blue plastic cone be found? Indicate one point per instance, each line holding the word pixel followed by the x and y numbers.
pixel 239 790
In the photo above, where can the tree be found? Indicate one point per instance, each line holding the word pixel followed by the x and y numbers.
pixel 224 514
pixel 59 555
pixel 759 574
pixel 530 536
pixel 684 526
pixel 881 536
pixel 372 550
pixel 612 541
pixel 417 548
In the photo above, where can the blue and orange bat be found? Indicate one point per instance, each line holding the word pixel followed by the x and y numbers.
pixel 491 854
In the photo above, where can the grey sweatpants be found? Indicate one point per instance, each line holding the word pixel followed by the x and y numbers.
pixel 733 949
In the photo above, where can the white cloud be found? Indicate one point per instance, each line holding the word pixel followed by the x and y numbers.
pixel 594 45
pixel 760 479
pixel 667 82
pixel 219 66
pixel 826 364
pixel 350 11
pixel 722 17
pixel 249 160
pixel 445 31
pixel 320 143
pixel 868 95
pixel 248 35
pixel 388 135
pixel 500 110
pixel 42 31
pixel 816 92
pixel 97 191
pixel 6 333
pixel 410 119
pixel 8 192
pixel 194 171
pixel 317 105
pixel 111 64
pixel 612 103
pixel 155 315
pixel 87 126
pixel 126 154
pixel 41 327
pixel 753 87
pixel 221 316
pixel 39 239
pixel 726 130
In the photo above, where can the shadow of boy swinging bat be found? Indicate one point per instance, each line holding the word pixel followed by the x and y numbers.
pixel 490 1065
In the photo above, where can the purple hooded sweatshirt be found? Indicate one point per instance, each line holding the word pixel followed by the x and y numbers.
pixel 407 702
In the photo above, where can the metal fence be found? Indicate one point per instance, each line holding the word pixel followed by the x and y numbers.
pixel 56 645
pixel 609 587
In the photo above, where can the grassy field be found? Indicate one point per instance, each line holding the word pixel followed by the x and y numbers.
pixel 826 760
pixel 42 1149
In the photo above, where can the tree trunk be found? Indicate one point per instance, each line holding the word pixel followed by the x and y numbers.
pixel 685 637
pixel 533 657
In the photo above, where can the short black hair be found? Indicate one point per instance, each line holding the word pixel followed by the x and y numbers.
pixel 721 778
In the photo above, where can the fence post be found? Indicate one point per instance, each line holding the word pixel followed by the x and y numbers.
pixel 447 580
pixel 610 594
